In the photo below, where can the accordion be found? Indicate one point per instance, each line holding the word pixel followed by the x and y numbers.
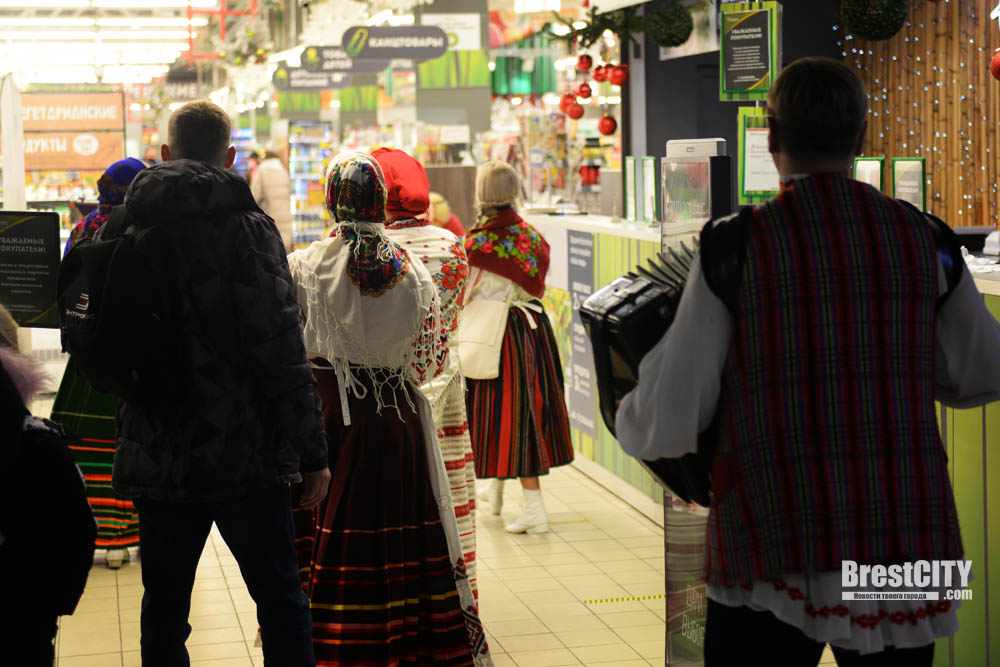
pixel 624 320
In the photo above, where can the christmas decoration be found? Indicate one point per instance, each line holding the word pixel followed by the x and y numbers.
pixel 669 24
pixel 584 62
pixel 565 101
pixel 874 19
pixel 618 75
pixel 607 125
pixel 575 111
pixel 600 73
pixel 995 64
pixel 584 91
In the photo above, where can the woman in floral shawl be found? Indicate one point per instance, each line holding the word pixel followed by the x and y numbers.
pixel 89 413
pixel 381 557
pixel 517 412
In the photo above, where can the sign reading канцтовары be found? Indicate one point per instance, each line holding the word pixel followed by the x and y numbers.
pixel 29 265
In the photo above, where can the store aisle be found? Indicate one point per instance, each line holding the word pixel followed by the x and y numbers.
pixel 538 593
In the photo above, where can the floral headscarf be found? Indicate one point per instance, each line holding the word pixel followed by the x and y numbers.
pixel 355 197
pixel 111 188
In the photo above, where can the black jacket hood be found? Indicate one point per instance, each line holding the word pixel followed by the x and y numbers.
pixel 186 189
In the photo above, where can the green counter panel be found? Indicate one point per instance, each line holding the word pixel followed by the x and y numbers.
pixel 614 256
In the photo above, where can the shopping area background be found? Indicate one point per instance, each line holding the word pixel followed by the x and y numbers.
pixel 509 88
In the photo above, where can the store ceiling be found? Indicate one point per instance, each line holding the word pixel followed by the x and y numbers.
pixel 86 41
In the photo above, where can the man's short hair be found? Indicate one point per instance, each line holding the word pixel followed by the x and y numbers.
pixel 819 107
pixel 200 131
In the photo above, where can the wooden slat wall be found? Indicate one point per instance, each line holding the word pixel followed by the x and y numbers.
pixel 932 96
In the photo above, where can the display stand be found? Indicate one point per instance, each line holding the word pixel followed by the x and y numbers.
pixel 308 154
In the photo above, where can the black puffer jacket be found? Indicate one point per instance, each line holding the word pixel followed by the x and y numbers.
pixel 247 416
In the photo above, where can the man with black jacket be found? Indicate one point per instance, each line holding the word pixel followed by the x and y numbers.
pixel 244 420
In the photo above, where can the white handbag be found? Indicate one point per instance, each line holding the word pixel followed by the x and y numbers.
pixel 479 337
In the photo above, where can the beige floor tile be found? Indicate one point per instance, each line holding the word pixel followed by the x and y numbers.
pixel 215 636
pixel 94 593
pixel 212 621
pixel 572 557
pixel 547 612
pixel 647 552
pixel 619 607
pixel 502 629
pixel 207 608
pixel 131 659
pixel 512 574
pixel 624 663
pixel 102 660
pixel 88 619
pixel 649 576
pixel 627 565
pixel 95 639
pixel 546 597
pixel 225 662
pixel 217 651
pixel 530 585
pixel 211 584
pixel 605 653
pixel 578 569
pixel 647 588
pixel 522 643
pixel 630 619
pixel 592 637
pixel 555 545
pixel 548 658
pixel 827 657
pixel 491 614
pixel 503 660
pixel 642 633
pixel 650 649
pixel 576 622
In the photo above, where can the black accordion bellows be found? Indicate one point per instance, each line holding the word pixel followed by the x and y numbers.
pixel 624 320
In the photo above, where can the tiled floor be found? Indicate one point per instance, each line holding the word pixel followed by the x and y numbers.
pixel 536 592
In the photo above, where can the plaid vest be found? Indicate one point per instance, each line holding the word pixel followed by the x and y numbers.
pixel 827 442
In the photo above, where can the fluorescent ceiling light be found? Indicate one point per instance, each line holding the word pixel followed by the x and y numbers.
pixel 154 22
pixel 74 74
pixel 28 35
pixel 155 4
pixel 381 17
pixel 71 48
pixel 142 34
pixel 403 19
pixel 48 21
pixel 45 4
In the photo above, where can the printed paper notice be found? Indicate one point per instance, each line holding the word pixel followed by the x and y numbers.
pixel 759 172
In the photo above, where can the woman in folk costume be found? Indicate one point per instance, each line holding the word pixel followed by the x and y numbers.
pixel 90 414
pixel 382 558
pixel 443 254
pixel 517 412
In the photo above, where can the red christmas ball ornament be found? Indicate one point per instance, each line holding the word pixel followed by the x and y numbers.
pixel 995 65
pixel 584 91
pixel 575 111
pixel 607 125
pixel 565 101
pixel 584 62
pixel 600 73
pixel 618 76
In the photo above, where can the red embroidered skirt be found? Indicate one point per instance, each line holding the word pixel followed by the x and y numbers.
pixel 518 421
pixel 374 557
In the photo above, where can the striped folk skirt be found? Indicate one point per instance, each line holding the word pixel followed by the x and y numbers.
pixel 90 414
pixel 518 421
pixel 446 394
pixel 374 557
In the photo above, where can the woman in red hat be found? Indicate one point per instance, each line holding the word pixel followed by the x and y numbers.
pixel 406 206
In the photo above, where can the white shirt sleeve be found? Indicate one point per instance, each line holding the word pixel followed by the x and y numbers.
pixel 679 379
pixel 967 349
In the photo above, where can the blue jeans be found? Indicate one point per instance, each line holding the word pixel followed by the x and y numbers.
pixel 258 530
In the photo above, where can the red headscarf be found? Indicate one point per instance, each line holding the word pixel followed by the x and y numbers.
pixel 408 193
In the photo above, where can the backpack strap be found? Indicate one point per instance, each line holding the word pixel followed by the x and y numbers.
pixel 115 226
pixel 949 249
pixel 723 254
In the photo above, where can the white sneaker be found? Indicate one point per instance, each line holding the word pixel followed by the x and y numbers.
pixel 534 519
pixel 492 495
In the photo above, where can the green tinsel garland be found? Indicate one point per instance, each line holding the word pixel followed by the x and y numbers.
pixel 874 19
pixel 670 24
